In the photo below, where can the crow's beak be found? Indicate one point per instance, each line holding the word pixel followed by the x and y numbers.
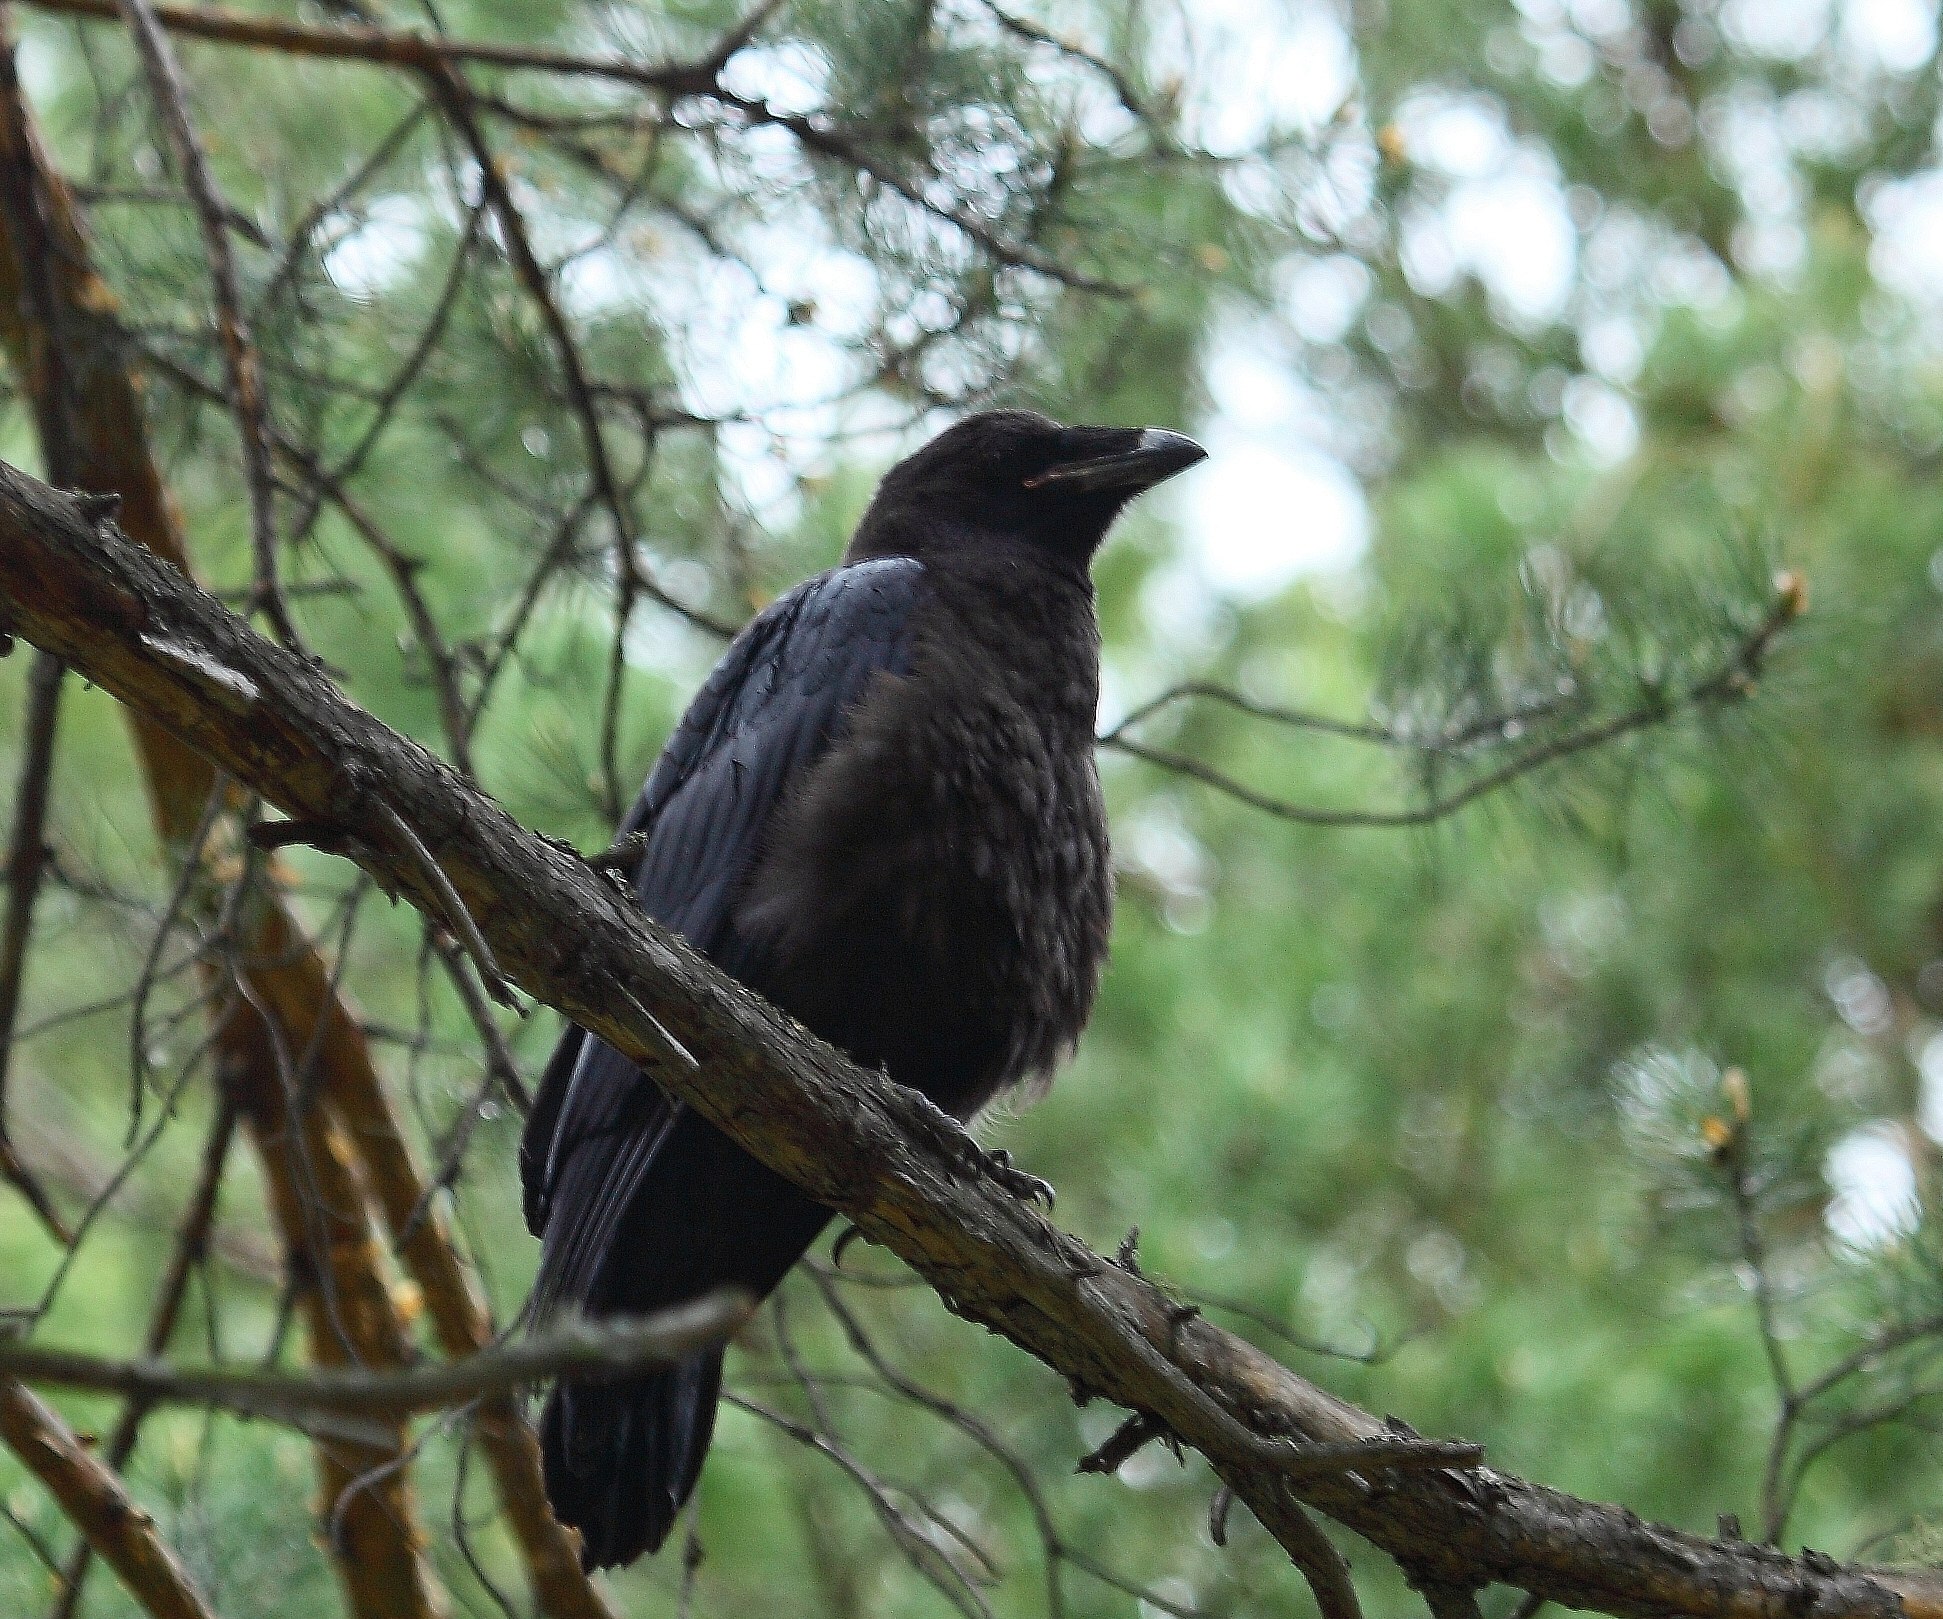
pixel 1152 456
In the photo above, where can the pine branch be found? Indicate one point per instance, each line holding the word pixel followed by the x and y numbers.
pixel 1729 681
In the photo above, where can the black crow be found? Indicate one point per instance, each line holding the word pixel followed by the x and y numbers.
pixel 881 813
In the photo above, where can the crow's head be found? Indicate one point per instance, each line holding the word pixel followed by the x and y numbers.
pixel 1015 474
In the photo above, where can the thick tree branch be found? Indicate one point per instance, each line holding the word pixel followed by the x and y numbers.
pixel 851 1139
pixel 95 1502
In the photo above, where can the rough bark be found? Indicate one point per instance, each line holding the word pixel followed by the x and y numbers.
pixel 95 1503
pixel 853 1140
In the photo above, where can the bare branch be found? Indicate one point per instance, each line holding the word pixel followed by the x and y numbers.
pixel 616 1347
pixel 456 916
pixel 500 1073
pixel 1120 1446
pixel 1732 680
pixel 385 48
pixel 1299 719
pixel 240 365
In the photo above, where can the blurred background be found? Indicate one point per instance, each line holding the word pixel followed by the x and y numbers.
pixel 1526 1005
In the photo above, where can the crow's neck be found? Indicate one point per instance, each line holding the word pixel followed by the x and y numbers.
pixel 953 543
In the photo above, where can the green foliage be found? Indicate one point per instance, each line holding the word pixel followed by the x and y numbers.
pixel 1445 1101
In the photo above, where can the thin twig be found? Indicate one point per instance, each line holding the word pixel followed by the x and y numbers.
pixel 454 97
pixel 895 1383
pixel 240 365
pixel 1732 680
pixel 286 268
pixel 1753 1249
pixel 191 1245
pixel 931 1553
pixel 1299 719
pixel 67 1162
pixel 616 1347
pixel 817 133
pixel 1123 87
pixel 1322 1565
pixel 452 907
pixel 914 1538
pixel 499 1073
pixel 26 864
pixel 1133 1435
pixel 399 49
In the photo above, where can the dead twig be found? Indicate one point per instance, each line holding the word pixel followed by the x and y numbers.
pixel 1323 1566
pixel 1132 1435
pixel 456 915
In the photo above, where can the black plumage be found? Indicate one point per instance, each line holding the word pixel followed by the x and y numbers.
pixel 881 813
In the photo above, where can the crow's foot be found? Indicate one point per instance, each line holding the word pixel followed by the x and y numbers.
pixel 969 1158
pixel 1027 1188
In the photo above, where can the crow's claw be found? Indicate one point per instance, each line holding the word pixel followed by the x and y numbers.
pixel 1026 1188
pixel 972 1160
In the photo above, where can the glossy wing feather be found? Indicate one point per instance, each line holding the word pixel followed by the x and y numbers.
pixel 770 709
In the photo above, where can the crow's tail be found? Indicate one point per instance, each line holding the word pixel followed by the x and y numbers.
pixel 637 1220
pixel 622 1457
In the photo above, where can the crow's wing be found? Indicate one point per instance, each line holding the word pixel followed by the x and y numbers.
pixel 770 709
